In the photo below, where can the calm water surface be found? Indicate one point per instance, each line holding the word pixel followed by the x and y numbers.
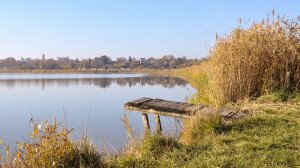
pixel 85 102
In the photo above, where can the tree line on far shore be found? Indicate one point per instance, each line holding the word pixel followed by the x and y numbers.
pixel 101 62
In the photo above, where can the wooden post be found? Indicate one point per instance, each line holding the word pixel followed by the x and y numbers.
pixel 157 124
pixel 146 123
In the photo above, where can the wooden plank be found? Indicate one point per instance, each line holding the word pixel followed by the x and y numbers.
pixel 167 106
pixel 162 104
pixel 184 106
pixel 145 99
pixel 152 103
pixel 176 107
pixel 194 108
pixel 157 104
pixel 139 101
pixel 164 113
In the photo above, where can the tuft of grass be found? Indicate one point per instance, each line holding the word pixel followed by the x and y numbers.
pixel 279 96
pixel 148 153
pixel 156 145
pixel 276 96
pixel 132 139
pixel 51 146
pixel 201 128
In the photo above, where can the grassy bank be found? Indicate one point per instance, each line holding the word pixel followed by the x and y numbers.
pixel 269 138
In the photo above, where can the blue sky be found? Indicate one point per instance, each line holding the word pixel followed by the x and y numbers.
pixel 139 28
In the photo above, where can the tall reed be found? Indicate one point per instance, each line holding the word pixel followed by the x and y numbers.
pixel 252 61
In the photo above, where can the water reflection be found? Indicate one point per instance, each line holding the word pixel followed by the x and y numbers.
pixel 166 82
pixel 91 102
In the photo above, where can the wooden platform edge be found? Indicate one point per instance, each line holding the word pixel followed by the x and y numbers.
pixel 160 106
pixel 168 114
pixel 179 109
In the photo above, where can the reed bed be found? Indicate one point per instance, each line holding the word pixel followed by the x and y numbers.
pixel 250 62
pixel 257 60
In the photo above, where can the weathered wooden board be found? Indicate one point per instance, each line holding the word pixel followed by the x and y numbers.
pixel 139 101
pixel 160 105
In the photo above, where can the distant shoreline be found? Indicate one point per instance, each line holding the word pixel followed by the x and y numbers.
pixel 158 72
pixel 76 71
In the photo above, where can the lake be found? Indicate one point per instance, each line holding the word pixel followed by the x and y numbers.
pixel 91 103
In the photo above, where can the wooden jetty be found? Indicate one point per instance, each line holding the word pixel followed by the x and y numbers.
pixel 163 107
pixel 175 109
pixel 160 107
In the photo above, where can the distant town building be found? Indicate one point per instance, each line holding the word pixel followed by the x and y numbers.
pixel 22 60
pixel 25 60
pixel 130 59
pixel 142 61
pixel 126 64
pixel 43 57
pixel 63 58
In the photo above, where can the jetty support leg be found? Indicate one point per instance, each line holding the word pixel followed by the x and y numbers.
pixel 146 123
pixel 157 124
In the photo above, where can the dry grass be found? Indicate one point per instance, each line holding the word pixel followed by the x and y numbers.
pixel 250 62
pixel 132 141
pixel 269 138
pixel 201 128
pixel 258 60
pixel 51 146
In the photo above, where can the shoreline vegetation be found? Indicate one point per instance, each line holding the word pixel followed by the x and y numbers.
pixel 104 63
pixel 100 71
pixel 255 68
